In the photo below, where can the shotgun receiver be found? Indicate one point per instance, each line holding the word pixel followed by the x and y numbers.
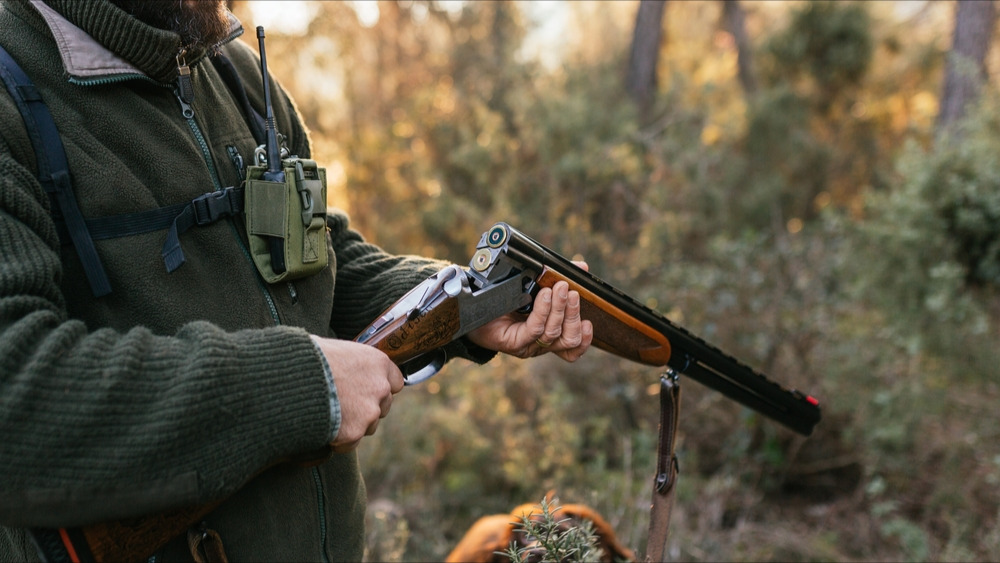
pixel 506 272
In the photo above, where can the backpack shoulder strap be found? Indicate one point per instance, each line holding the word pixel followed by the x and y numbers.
pixel 231 77
pixel 53 170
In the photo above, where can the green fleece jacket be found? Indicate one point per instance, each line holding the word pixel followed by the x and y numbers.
pixel 181 387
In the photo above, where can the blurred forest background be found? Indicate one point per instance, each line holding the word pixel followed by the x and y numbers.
pixel 814 187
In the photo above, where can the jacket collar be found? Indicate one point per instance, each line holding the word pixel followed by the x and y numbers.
pixel 130 47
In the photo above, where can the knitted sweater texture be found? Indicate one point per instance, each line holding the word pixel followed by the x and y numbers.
pixel 177 388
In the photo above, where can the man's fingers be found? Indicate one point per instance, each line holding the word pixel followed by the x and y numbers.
pixel 586 338
pixel 554 322
pixel 384 405
pixel 572 327
pixel 366 381
pixel 396 382
pixel 535 323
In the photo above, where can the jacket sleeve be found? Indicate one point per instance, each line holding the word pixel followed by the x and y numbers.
pixel 98 424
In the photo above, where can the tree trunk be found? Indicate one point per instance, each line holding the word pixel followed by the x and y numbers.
pixel 641 80
pixel 504 41
pixel 735 23
pixel 965 68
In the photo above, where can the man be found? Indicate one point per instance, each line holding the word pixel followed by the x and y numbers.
pixel 204 383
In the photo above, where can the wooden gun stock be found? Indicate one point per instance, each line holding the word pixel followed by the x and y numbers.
pixel 614 330
pixel 412 336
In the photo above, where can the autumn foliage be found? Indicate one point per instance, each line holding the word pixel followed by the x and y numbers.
pixel 812 226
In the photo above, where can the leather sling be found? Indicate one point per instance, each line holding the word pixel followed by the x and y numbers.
pixel 667 469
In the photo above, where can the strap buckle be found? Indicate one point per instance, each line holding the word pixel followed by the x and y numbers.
pixel 204 209
pixel 210 207
pixel 666 478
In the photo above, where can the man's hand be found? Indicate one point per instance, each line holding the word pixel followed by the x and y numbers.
pixel 366 380
pixel 554 325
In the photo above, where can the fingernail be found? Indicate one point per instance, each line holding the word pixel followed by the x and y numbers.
pixel 547 296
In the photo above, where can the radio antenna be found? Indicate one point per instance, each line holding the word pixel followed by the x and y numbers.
pixel 274 171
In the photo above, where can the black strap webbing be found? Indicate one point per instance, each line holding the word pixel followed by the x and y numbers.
pixel 53 170
pixel 126 224
pixel 232 80
pixel 202 210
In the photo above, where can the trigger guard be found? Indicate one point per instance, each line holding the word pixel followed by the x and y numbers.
pixel 423 367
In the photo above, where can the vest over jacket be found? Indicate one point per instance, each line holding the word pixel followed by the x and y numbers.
pixel 175 388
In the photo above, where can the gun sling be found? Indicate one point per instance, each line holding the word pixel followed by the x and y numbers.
pixel 667 469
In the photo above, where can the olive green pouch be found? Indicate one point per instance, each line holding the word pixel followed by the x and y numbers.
pixel 286 221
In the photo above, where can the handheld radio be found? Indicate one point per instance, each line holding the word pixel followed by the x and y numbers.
pixel 285 203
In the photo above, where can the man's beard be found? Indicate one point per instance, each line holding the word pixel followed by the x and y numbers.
pixel 200 23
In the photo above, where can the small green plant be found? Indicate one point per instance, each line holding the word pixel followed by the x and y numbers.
pixel 544 538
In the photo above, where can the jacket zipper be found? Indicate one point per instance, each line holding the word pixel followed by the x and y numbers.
pixel 237 159
pixel 104 80
pixel 184 91
pixel 187 111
